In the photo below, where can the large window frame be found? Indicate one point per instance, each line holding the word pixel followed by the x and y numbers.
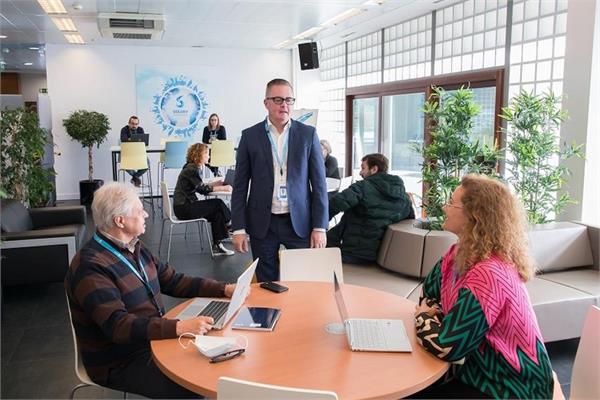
pixel 492 77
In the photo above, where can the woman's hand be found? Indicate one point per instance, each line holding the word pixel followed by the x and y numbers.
pixel 224 188
pixel 215 184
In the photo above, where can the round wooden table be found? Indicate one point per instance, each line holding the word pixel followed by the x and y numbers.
pixel 300 353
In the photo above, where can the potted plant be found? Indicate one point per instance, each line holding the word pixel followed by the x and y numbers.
pixel 451 153
pixel 534 151
pixel 22 175
pixel 88 128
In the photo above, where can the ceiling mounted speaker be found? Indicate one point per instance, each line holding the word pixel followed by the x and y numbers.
pixel 309 56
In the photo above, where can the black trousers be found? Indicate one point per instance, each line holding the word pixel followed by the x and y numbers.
pixel 214 210
pixel 281 232
pixel 142 376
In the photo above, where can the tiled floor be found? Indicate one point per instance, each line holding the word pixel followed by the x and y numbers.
pixel 37 348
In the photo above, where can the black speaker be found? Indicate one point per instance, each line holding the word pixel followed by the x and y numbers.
pixel 309 57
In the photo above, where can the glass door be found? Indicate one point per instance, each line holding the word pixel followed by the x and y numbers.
pixel 403 134
pixel 365 129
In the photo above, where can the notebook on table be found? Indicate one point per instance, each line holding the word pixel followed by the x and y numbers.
pixel 221 310
pixel 386 335
pixel 257 318
pixel 138 137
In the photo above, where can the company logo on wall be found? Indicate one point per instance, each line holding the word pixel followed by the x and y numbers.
pixel 180 107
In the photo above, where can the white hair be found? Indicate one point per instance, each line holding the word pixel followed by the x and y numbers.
pixel 111 200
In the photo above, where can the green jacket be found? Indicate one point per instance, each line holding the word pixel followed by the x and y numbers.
pixel 369 206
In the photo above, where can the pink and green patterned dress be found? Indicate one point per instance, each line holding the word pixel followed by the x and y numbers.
pixel 487 320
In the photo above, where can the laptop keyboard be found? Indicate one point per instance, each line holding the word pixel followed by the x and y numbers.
pixel 367 334
pixel 215 309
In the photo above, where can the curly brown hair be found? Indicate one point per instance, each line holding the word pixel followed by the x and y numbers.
pixel 195 151
pixel 496 224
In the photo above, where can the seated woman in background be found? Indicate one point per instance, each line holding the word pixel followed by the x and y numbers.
pixel 187 206
pixel 331 164
pixel 474 307
pixel 213 131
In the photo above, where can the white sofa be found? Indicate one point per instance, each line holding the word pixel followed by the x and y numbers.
pixel 567 258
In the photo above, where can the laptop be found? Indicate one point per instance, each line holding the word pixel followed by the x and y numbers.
pixel 138 137
pixel 386 335
pixel 221 310
pixel 229 177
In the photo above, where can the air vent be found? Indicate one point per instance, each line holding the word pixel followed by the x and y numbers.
pixel 131 26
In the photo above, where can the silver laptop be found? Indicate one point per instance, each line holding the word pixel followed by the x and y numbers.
pixel 229 177
pixel 221 310
pixel 371 334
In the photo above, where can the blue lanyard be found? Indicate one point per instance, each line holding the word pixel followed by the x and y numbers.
pixel 145 281
pixel 280 160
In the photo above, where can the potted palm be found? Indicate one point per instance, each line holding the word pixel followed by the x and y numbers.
pixel 22 175
pixel 88 128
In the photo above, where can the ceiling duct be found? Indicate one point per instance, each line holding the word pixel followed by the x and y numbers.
pixel 131 26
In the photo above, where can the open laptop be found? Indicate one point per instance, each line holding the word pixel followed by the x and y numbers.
pixel 138 137
pixel 386 335
pixel 229 177
pixel 221 310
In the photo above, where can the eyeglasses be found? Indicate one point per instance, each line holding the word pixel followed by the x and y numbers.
pixel 279 100
pixel 227 356
pixel 450 203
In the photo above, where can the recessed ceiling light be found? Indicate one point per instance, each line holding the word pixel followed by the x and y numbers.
pixel 74 38
pixel 28 64
pixel 34 48
pixel 284 44
pixel 309 32
pixel 52 6
pixel 64 24
pixel 3 36
pixel 342 17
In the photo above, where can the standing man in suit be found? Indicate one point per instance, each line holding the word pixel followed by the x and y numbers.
pixel 133 126
pixel 280 161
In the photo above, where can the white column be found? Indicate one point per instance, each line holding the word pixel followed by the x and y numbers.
pixel 579 97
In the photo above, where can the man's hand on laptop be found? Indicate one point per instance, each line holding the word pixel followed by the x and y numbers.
pixel 200 325
pixel 229 288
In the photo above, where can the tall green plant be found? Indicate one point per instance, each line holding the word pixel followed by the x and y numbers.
pixel 88 128
pixel 451 153
pixel 23 142
pixel 534 151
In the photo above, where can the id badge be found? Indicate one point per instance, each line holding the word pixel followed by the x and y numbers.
pixel 282 193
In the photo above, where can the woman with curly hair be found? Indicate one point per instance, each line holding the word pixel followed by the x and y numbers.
pixel 474 309
pixel 187 206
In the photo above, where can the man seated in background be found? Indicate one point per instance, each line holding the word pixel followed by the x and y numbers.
pixel 133 127
pixel 114 287
pixel 369 206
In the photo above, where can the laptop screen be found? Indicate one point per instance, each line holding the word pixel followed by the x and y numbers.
pixel 229 177
pixel 139 137
pixel 339 299
pixel 240 293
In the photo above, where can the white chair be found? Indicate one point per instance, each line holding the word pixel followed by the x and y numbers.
pixel 80 370
pixel 584 380
pixel 314 265
pixel 235 389
pixel 169 216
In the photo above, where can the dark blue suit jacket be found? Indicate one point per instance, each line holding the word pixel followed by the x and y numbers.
pixel 306 185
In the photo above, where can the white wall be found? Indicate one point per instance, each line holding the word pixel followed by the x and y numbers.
pixel 31 85
pixel 102 78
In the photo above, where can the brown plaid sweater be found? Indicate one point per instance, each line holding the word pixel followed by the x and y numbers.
pixel 113 315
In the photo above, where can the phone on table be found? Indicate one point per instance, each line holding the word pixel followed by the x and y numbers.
pixel 273 287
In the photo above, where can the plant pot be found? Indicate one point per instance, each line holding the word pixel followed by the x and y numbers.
pixel 87 189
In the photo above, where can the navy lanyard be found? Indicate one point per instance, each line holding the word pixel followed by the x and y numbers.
pixel 145 281
pixel 283 159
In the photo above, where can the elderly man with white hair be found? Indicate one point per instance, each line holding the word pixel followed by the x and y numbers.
pixel 114 287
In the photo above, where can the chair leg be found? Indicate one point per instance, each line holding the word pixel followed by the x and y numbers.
pixel 209 236
pixel 185 235
pixel 162 230
pixel 169 248
pixel 201 236
pixel 81 385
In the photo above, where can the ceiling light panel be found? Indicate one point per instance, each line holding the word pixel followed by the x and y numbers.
pixel 52 6
pixel 309 32
pixel 342 17
pixel 74 38
pixel 64 24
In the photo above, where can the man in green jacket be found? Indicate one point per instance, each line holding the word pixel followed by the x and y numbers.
pixel 369 206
